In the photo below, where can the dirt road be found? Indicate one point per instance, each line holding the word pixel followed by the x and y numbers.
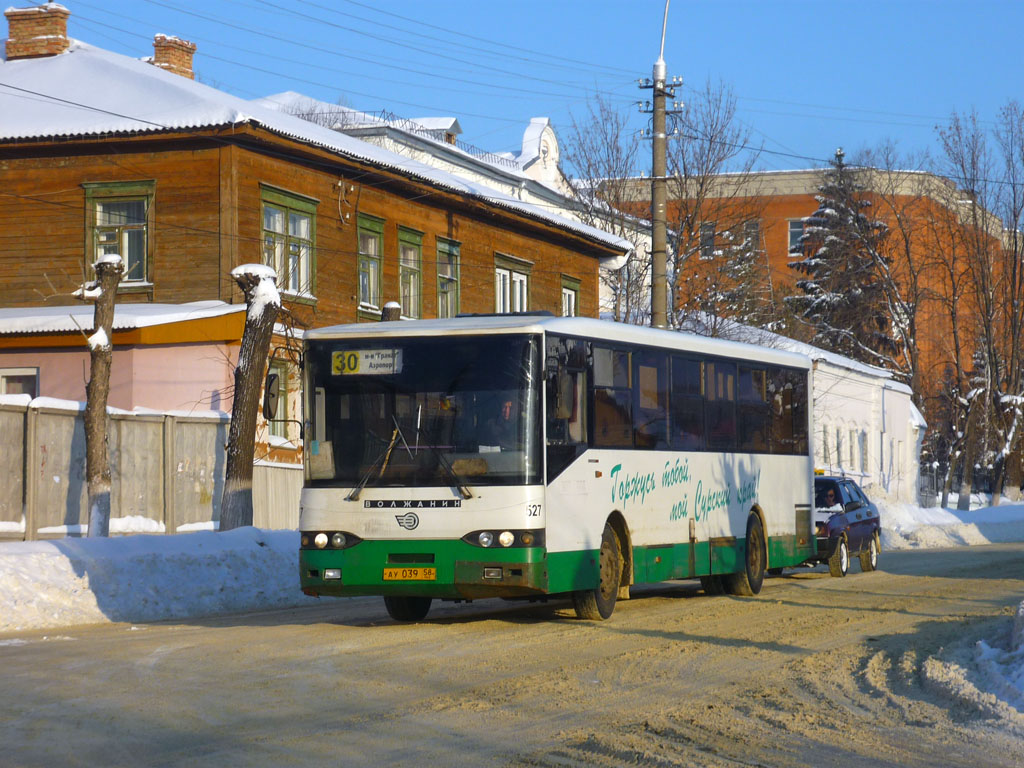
pixel 873 670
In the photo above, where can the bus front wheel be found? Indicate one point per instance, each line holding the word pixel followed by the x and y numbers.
pixel 748 581
pixel 597 604
pixel 407 608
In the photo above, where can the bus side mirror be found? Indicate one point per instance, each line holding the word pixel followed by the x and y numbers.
pixel 271 393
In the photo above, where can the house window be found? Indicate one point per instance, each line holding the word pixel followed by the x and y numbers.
pixel 511 284
pixel 279 427
pixel 119 218
pixel 752 235
pixel 707 240
pixel 796 231
pixel 19 381
pixel 410 259
pixel 570 296
pixel 447 278
pixel 289 234
pixel 371 235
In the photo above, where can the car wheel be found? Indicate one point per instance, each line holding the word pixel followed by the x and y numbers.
pixel 839 563
pixel 748 582
pixel 407 608
pixel 597 604
pixel 869 557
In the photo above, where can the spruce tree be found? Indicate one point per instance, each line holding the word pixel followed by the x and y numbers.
pixel 842 296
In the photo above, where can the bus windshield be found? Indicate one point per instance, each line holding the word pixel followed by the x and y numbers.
pixel 455 411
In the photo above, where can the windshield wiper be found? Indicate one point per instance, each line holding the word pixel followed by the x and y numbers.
pixel 459 483
pixel 385 455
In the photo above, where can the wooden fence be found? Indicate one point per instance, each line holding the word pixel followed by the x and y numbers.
pixel 167 473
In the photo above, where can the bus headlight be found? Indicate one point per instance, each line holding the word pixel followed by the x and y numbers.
pixel 486 538
pixel 506 538
pixel 338 540
pixel 320 540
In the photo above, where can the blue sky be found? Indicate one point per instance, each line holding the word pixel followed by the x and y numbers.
pixel 809 76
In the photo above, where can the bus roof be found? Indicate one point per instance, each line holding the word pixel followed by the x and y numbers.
pixel 604 330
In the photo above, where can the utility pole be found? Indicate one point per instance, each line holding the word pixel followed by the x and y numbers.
pixel 659 257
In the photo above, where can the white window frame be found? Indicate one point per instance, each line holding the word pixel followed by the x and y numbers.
pixel 6 373
pixel 511 285
pixel 795 251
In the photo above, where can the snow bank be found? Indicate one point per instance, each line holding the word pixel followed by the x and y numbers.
pixel 46 584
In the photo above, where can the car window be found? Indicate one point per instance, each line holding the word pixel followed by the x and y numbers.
pixel 821 494
pixel 851 492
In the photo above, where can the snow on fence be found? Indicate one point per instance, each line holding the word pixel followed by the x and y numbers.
pixel 167 472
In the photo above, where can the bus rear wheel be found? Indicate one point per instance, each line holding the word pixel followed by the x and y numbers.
pixel 597 604
pixel 407 608
pixel 748 581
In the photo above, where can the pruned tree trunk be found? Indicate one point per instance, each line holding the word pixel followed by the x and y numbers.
pixel 97 462
pixel 258 283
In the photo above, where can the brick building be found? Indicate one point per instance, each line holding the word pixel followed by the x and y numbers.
pixel 103 153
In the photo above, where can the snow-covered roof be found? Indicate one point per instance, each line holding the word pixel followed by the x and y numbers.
pixel 126 316
pixel 531 139
pixel 88 91
pixel 446 124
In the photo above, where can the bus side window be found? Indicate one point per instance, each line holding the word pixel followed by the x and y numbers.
pixel 686 405
pixel 753 411
pixel 613 399
pixel 780 393
pixel 650 385
pixel 720 404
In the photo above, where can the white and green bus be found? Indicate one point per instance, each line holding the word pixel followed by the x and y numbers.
pixel 525 456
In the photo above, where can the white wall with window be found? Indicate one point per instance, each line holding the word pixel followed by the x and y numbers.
pixel 878 421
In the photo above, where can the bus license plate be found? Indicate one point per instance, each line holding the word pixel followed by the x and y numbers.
pixel 410 574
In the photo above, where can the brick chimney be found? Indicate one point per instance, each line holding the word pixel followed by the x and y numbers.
pixel 174 55
pixel 38 31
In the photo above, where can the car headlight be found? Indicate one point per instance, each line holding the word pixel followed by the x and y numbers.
pixel 486 538
pixel 506 538
pixel 338 540
pixel 320 540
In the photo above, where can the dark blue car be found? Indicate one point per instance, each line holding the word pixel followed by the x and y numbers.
pixel 846 524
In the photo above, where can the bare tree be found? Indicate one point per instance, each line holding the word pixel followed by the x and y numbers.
pixel 602 151
pixel 717 265
pixel 993 290
pixel 259 284
pixel 102 291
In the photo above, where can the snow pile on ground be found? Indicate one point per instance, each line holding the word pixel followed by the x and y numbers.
pixel 905 526
pixel 63 582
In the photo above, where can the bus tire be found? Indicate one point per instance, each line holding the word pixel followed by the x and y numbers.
pixel 598 603
pixel 839 563
pixel 869 557
pixel 401 608
pixel 748 582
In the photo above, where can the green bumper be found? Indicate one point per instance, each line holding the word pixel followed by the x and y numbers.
pixel 458 569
